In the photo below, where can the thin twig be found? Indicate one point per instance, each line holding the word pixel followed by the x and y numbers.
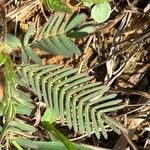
pixel 132 92
pixel 129 141
pixel 84 55
pixel 132 42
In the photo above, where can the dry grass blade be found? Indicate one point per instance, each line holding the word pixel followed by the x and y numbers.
pixel 20 10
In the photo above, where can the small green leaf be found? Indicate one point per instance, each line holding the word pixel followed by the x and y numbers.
pixel 17 123
pixel 28 34
pixel 33 56
pixel 101 12
pixel 24 110
pixel 24 57
pixel 12 43
pixel 82 32
pixel 74 21
pixel 49 116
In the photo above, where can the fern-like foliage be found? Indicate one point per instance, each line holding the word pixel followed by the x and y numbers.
pixel 54 37
pixel 74 98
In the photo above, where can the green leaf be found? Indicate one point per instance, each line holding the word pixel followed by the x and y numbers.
pixel 42 145
pixel 101 12
pixel 24 110
pixel 74 20
pixel 35 58
pixel 56 5
pixel 28 34
pixel 12 43
pixel 82 32
pixel 72 48
pixel 72 97
pixel 24 57
pixel 49 116
pixel 26 143
pixel 17 123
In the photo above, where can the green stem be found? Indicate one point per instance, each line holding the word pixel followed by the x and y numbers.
pixel 18 147
pixel 48 126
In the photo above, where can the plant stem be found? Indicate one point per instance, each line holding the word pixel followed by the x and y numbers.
pixel 66 142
